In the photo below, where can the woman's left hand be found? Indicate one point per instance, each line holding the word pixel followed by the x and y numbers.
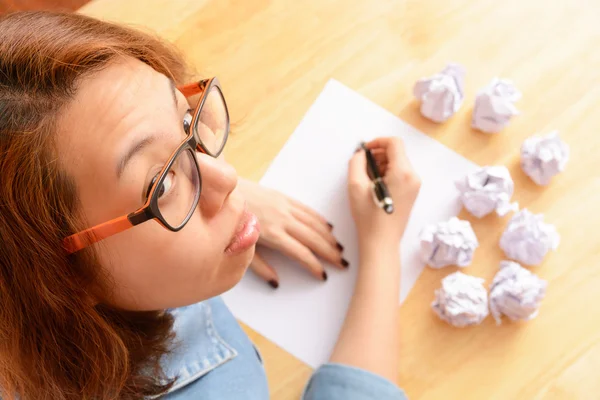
pixel 293 229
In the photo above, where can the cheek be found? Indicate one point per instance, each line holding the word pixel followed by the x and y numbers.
pixel 154 268
pixel 201 254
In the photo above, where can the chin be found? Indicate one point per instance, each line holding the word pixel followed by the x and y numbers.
pixel 237 267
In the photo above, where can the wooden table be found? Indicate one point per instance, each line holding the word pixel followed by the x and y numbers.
pixel 273 58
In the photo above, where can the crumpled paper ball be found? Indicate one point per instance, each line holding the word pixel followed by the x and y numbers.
pixel 516 293
pixel 462 300
pixel 487 189
pixel 542 157
pixel 442 94
pixel 494 106
pixel 527 238
pixel 451 242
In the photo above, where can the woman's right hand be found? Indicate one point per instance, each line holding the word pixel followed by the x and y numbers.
pixel 375 300
pixel 375 228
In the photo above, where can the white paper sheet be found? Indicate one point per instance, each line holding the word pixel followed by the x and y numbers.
pixel 304 316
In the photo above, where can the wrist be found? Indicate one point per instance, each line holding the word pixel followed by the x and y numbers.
pixel 378 245
pixel 380 265
pixel 379 259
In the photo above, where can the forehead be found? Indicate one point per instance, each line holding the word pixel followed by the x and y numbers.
pixel 110 109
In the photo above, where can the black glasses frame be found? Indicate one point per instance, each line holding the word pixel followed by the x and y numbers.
pixel 150 210
pixel 191 143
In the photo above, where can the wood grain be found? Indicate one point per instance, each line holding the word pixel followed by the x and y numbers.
pixel 28 5
pixel 274 57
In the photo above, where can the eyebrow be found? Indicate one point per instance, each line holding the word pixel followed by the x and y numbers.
pixel 145 142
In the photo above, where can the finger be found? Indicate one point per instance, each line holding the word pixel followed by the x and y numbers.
pixel 395 151
pixel 381 160
pixel 380 156
pixel 375 150
pixel 383 142
pixel 322 229
pixel 383 168
pixel 381 163
pixel 299 252
pixel 261 268
pixel 311 212
pixel 315 243
pixel 379 152
pixel 357 169
pixel 393 147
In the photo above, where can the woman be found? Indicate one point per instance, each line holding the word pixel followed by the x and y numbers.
pixel 120 225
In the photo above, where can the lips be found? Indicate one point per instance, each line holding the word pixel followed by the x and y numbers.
pixel 246 234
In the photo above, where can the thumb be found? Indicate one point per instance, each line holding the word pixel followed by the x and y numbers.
pixel 357 169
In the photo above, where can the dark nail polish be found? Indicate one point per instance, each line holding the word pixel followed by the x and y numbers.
pixel 274 284
pixel 339 246
pixel 324 275
pixel 345 263
pixel 330 225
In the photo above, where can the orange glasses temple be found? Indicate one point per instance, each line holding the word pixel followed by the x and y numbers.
pixel 191 89
pixel 82 239
pixel 89 236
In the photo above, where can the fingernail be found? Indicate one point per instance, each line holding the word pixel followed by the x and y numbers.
pixel 330 225
pixel 324 276
pixel 345 263
pixel 274 284
pixel 339 246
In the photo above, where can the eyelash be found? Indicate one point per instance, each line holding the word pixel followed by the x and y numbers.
pixel 171 177
pixel 187 122
pixel 149 187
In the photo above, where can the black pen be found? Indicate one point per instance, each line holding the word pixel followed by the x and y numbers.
pixel 382 195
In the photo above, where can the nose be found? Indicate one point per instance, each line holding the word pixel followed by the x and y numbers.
pixel 219 179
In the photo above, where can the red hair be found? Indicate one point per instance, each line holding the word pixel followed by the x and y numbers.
pixel 55 343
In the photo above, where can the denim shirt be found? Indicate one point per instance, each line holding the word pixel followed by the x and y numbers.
pixel 215 359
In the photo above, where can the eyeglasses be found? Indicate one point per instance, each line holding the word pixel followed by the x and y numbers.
pixel 174 192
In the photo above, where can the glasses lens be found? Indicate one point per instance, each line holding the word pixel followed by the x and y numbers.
pixel 212 126
pixel 179 190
